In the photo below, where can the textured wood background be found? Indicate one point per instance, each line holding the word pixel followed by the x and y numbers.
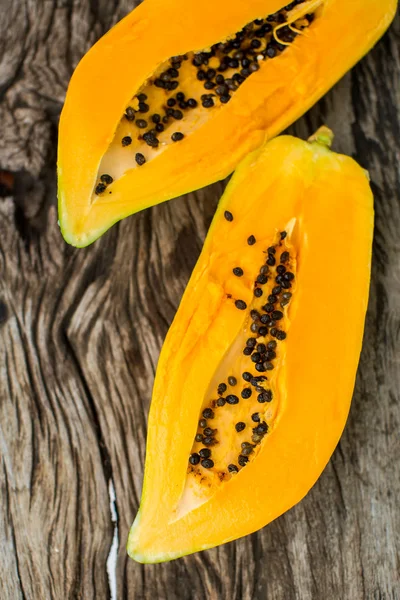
pixel 80 334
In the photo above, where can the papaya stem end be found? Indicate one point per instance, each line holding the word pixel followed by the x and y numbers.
pixel 323 136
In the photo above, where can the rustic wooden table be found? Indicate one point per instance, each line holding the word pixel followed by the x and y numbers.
pixel 81 331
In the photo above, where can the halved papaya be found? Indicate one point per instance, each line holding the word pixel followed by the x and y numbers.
pixel 255 379
pixel 176 94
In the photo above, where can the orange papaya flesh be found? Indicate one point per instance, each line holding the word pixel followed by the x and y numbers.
pixel 253 388
pixel 187 90
pixel 110 139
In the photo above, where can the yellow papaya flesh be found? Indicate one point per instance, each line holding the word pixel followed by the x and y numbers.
pixel 225 77
pixel 255 378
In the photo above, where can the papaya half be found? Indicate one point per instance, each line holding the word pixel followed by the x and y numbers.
pixel 176 94
pixel 256 375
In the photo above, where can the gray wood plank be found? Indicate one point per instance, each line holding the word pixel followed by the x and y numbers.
pixel 80 335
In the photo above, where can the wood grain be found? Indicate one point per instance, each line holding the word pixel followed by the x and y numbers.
pixel 80 335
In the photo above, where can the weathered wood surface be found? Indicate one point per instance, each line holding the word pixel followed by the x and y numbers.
pixel 80 335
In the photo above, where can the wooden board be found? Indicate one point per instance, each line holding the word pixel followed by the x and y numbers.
pixel 80 335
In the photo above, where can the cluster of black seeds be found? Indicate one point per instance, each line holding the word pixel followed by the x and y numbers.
pixel 236 60
pixel 172 110
pixel 105 180
pixel 239 57
pixel 207 438
pixel 262 354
